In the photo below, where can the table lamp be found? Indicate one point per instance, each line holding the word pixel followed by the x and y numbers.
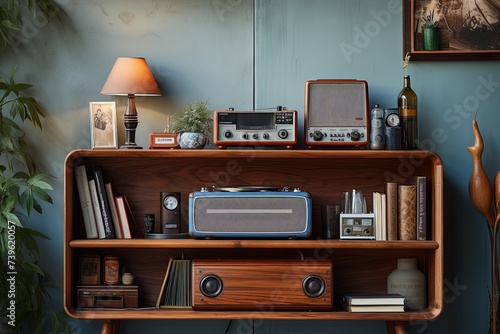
pixel 130 77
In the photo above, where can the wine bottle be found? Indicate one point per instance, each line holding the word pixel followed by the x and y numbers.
pixel 407 104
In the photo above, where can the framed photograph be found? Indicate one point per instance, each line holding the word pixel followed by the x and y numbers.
pixel 103 125
pixel 466 29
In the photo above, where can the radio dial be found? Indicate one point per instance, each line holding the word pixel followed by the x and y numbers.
pixel 355 136
pixel 283 134
pixel 317 135
pixel 245 136
pixel 255 136
pixel 265 136
pixel 228 134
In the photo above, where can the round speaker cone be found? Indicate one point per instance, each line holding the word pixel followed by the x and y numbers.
pixel 313 286
pixel 211 286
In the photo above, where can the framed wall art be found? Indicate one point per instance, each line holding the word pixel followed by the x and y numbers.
pixel 451 29
pixel 103 125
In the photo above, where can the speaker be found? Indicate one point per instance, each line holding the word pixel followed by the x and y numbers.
pixel 336 113
pixel 261 285
pixel 268 214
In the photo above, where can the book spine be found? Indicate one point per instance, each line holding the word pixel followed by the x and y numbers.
pixel 103 202
pixel 421 183
pixel 97 210
pixel 82 184
pixel 122 214
pixel 114 212
pixel 391 190
pixel 407 205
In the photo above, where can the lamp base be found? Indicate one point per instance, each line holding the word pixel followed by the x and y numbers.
pixel 130 146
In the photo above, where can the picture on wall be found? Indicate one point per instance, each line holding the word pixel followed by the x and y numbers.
pixel 451 29
pixel 103 125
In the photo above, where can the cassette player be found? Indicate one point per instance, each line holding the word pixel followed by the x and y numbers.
pixel 250 212
pixel 255 128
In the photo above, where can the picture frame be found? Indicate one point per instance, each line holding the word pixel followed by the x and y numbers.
pixel 103 127
pixel 464 30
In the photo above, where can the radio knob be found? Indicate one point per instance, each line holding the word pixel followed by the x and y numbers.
pixel 283 134
pixel 255 136
pixel 228 134
pixel 265 135
pixel 317 135
pixel 245 136
pixel 355 136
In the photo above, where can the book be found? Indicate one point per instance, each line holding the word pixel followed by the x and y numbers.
pixel 114 212
pixel 134 228
pixel 176 287
pixel 82 184
pixel 95 204
pixel 380 216
pixel 374 308
pixel 105 211
pixel 391 191
pixel 123 217
pixel 421 210
pixel 383 215
pixel 407 212
pixel 375 299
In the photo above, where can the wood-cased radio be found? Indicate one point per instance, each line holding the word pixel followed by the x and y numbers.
pixel 262 285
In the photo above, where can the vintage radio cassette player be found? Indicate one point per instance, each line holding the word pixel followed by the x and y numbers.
pixel 250 212
pixel 336 113
pixel 357 226
pixel 255 128
pixel 108 296
pixel 262 285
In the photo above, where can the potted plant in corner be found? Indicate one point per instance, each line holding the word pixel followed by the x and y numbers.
pixel 194 125
pixel 430 32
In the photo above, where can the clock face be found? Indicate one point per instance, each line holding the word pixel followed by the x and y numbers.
pixel 170 202
pixel 393 120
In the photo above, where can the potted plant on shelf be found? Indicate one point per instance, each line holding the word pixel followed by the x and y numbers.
pixel 24 305
pixel 430 32
pixel 194 125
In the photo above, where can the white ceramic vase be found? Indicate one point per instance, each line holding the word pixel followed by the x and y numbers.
pixel 410 283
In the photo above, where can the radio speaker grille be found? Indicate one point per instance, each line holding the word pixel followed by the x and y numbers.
pixel 250 214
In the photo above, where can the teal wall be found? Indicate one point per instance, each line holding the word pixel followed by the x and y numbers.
pixel 200 49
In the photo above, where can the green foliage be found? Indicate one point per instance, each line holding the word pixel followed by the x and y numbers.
pixel 22 187
pixel 429 22
pixel 196 117
pixel 15 13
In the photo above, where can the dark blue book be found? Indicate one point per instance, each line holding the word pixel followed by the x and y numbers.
pixel 107 219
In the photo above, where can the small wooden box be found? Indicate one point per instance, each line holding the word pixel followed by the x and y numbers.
pixel 163 140
pixel 105 296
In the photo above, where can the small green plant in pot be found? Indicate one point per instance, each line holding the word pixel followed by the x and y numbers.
pixel 194 125
pixel 430 32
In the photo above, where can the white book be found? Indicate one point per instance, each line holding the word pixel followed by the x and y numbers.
pixel 122 214
pixel 114 212
pixel 383 215
pixel 97 209
pixel 82 184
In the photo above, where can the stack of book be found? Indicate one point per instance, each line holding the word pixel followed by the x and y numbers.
pixel 374 303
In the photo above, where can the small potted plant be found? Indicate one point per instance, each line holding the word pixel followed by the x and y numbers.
pixel 194 125
pixel 430 32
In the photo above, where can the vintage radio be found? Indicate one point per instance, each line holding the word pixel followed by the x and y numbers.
pixel 357 226
pixel 336 113
pixel 261 285
pixel 107 296
pixel 255 128
pixel 250 212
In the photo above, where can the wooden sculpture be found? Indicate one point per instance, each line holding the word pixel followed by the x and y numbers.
pixel 481 195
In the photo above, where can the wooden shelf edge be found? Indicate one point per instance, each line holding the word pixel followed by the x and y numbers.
pixel 158 314
pixel 251 244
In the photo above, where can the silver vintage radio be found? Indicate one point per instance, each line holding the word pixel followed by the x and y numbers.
pixel 255 128
pixel 357 226
pixel 250 212
pixel 336 113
